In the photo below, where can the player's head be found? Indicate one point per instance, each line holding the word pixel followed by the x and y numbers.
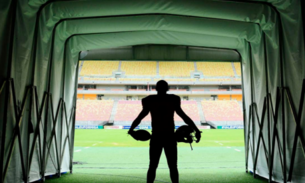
pixel 162 86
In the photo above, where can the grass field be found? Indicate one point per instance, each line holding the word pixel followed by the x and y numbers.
pixel 111 156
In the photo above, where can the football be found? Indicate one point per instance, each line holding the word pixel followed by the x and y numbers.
pixel 141 135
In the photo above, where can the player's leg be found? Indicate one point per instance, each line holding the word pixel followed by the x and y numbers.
pixel 171 153
pixel 155 151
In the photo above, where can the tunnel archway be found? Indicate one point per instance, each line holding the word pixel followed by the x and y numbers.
pixel 40 44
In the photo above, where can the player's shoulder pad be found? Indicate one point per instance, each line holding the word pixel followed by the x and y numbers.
pixel 147 98
pixel 176 97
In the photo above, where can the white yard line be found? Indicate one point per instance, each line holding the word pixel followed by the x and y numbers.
pixel 86 147
pixel 237 150
pixel 93 144
pixel 228 147
pixel 220 144
pixel 77 150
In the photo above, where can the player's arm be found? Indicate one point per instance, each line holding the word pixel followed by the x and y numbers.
pixel 187 120
pixel 138 120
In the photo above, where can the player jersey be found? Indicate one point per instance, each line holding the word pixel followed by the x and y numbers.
pixel 162 108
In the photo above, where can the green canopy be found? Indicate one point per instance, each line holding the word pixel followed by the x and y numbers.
pixel 40 46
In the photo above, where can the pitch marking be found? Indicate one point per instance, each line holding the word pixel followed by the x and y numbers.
pixel 77 150
pixel 228 147
pixel 237 150
pixel 86 147
pixel 94 144
pixel 220 144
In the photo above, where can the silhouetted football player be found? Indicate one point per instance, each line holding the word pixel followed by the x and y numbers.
pixel 162 107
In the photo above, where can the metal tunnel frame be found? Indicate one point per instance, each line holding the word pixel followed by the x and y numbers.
pixel 7 87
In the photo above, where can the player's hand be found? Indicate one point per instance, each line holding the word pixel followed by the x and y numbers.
pixel 130 132
pixel 198 136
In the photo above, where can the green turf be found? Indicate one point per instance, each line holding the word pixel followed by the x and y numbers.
pixel 119 138
pixel 112 156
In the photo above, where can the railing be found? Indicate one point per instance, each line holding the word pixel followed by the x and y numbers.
pixel 31 99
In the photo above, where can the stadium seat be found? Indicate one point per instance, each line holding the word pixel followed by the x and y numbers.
pixel 237 68
pixel 224 110
pixel 99 79
pixel 99 68
pixel 139 68
pixel 178 79
pixel 128 110
pixel 117 89
pixel 219 90
pixel 93 110
pixel 134 79
pixel 215 68
pixel 215 79
pixel 191 109
pixel 179 69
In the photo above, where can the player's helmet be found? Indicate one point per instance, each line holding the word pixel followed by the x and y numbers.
pixel 141 135
pixel 184 134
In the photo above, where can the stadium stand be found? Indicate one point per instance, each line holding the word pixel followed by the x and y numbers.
pixel 198 89
pixel 80 96
pixel 222 110
pixel 237 97
pixel 90 96
pixel 134 79
pixel 93 89
pixel 117 89
pixel 178 69
pixel 215 79
pixel 93 110
pixel 219 90
pixel 123 112
pixel 178 79
pixel 224 97
pixel 191 109
pixel 128 110
pixel 99 68
pixel 215 68
pixel 237 68
pixel 99 79
pixel 139 68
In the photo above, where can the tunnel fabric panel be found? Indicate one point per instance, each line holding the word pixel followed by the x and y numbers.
pixel 5 41
pixel 161 52
pixel 293 58
pixel 193 13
